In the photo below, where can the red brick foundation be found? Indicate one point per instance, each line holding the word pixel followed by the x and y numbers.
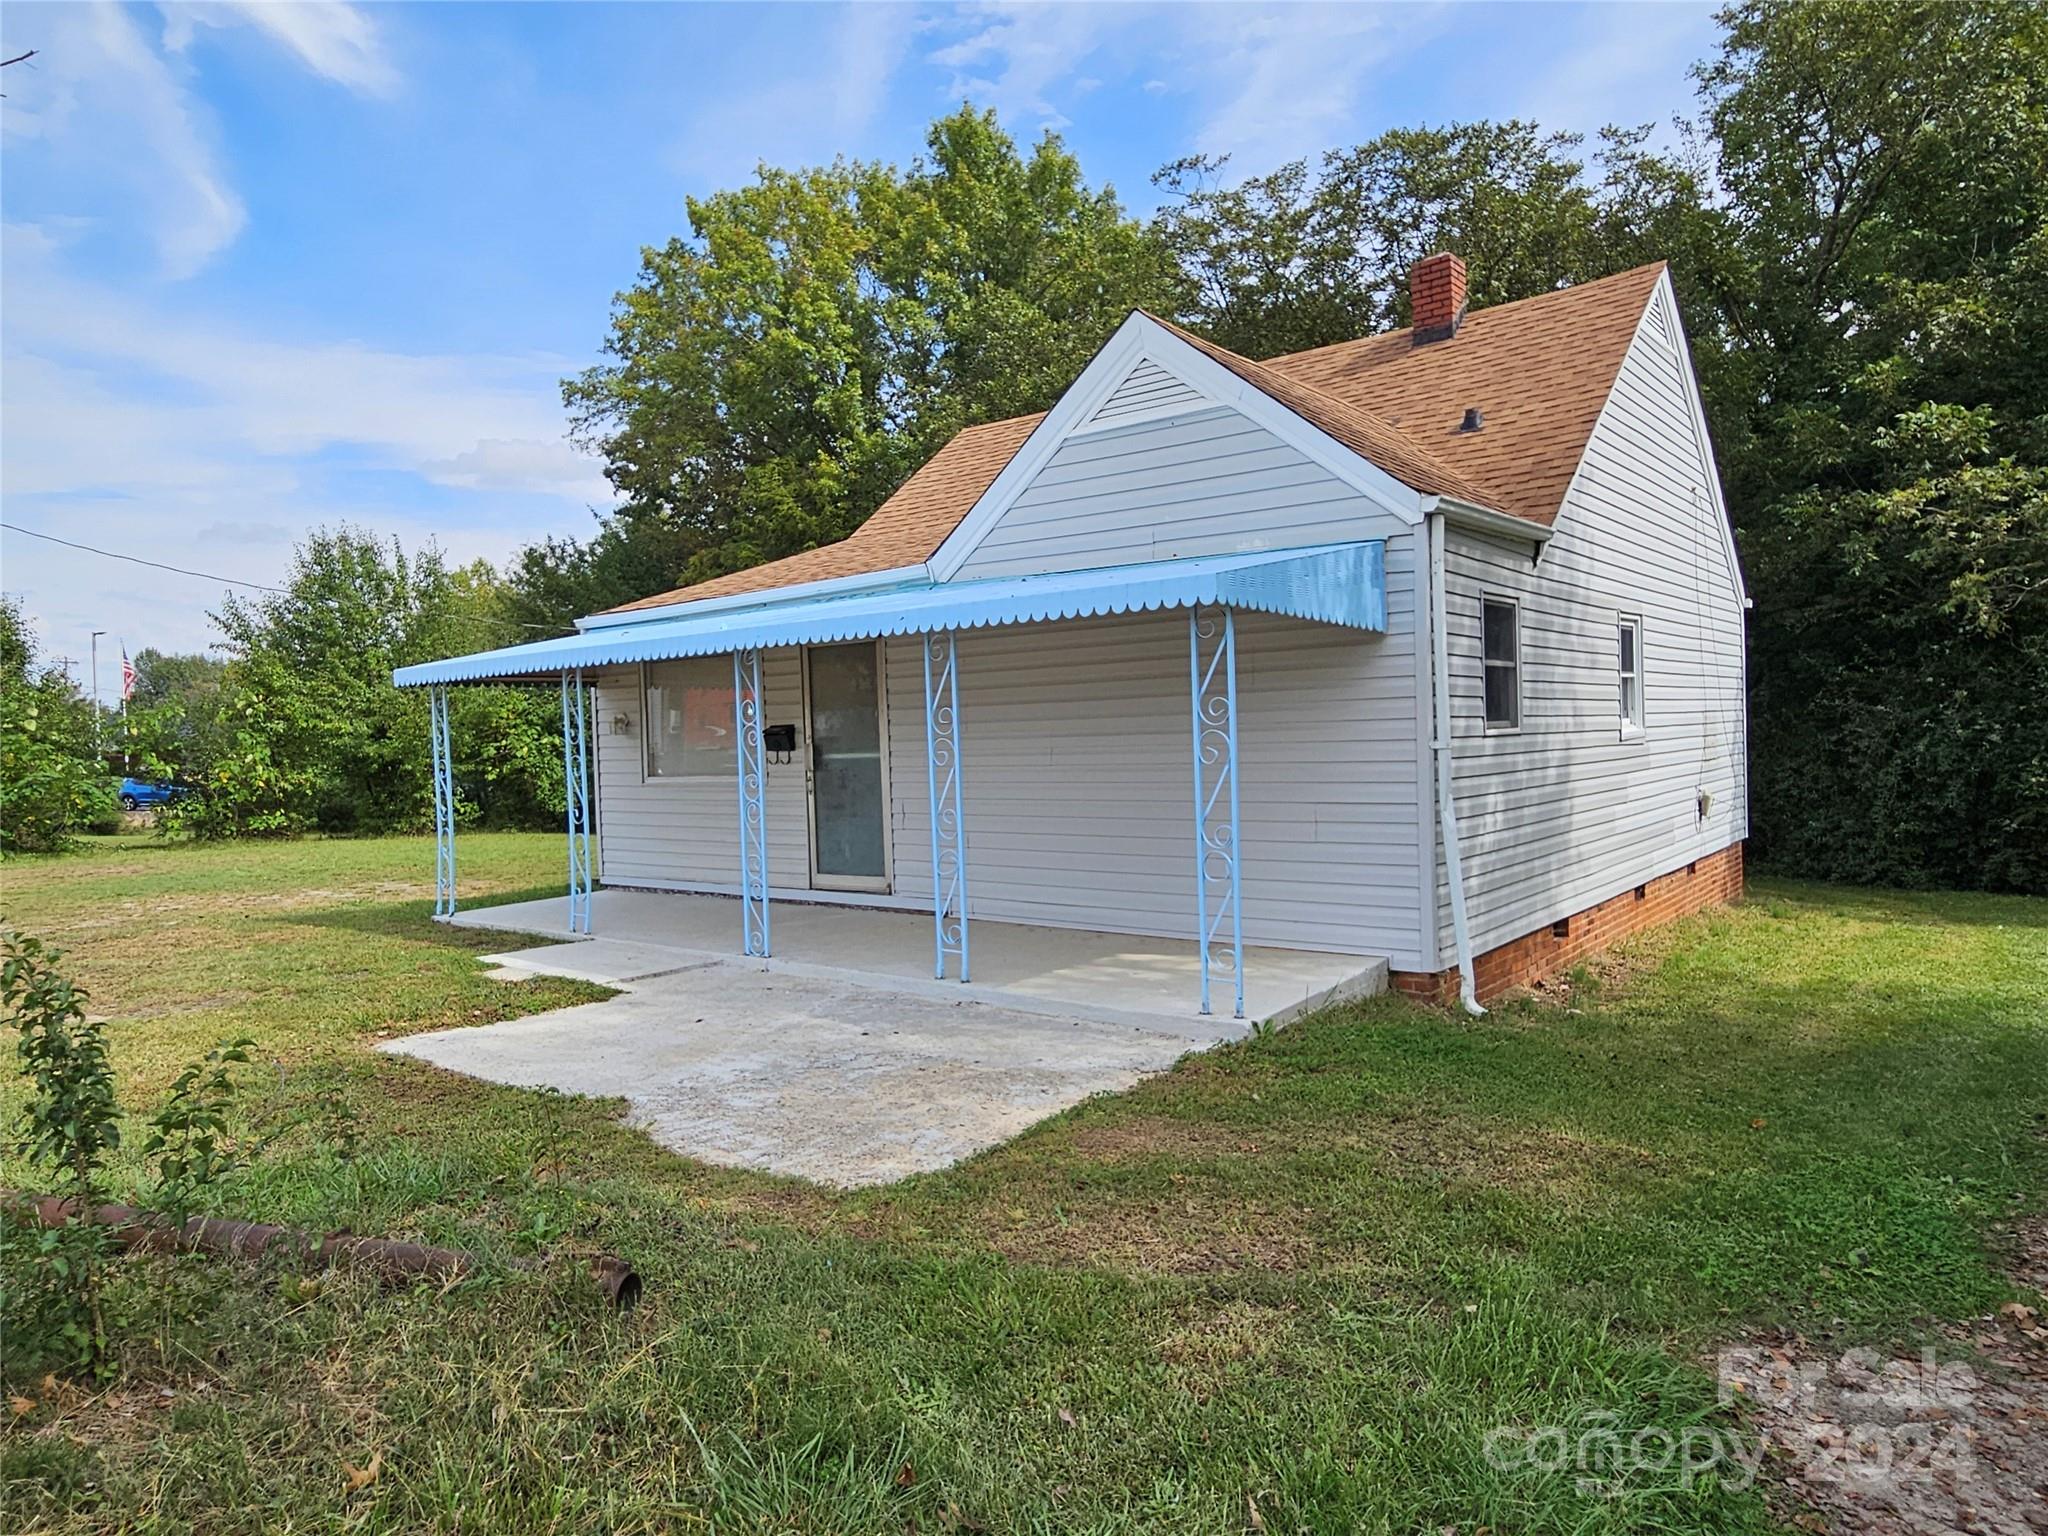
pixel 1706 882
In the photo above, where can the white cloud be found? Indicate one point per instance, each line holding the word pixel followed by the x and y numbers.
pixel 331 38
pixel 107 110
pixel 199 443
pixel 1627 65
pixel 518 464
pixel 116 118
pixel 821 109
pixel 1024 58
pixel 228 531
pixel 1265 82
pixel 164 377
pixel 1294 75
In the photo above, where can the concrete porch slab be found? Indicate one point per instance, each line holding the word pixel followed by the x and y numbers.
pixel 610 962
pixel 1058 972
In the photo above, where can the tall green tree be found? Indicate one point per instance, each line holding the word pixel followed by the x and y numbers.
pixel 1881 408
pixel 52 781
pixel 1299 258
pixel 312 734
pixel 772 376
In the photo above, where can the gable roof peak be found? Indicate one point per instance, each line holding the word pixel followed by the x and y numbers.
pixel 1537 371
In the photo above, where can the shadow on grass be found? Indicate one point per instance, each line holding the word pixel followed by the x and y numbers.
pixel 415 920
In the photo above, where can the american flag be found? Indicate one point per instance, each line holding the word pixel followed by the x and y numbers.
pixel 127 675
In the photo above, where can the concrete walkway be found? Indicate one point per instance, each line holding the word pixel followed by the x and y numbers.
pixel 842 1059
pixel 823 1079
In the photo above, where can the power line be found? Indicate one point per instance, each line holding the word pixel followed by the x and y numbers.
pixel 232 581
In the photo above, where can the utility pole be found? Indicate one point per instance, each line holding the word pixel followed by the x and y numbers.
pixel 96 686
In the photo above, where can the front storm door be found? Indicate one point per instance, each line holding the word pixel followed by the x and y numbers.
pixel 849 772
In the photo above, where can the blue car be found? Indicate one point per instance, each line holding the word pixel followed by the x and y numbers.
pixel 138 793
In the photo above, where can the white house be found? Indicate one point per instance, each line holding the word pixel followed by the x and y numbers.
pixel 1426 646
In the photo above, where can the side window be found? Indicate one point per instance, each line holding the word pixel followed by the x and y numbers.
pixel 1628 642
pixel 689 718
pixel 1501 657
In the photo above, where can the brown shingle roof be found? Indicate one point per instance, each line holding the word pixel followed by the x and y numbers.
pixel 1538 370
pixel 904 530
pixel 1377 441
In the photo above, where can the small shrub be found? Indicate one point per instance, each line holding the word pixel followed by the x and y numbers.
pixel 188 1137
pixel 69 1125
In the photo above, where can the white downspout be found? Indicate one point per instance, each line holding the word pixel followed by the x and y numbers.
pixel 1440 745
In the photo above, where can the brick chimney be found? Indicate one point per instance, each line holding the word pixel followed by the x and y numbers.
pixel 1436 297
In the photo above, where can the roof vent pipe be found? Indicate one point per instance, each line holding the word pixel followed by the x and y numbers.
pixel 1474 419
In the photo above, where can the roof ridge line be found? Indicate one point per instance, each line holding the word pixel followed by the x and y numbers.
pixel 1489 309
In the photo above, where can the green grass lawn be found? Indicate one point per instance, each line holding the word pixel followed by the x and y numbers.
pixel 1287 1287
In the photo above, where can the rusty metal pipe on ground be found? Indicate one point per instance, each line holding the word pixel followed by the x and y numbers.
pixel 134 1228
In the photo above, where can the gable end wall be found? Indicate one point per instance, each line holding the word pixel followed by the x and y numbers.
pixel 1565 814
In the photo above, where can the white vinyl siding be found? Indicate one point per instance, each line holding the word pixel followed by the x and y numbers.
pixel 1208 484
pixel 1078 785
pixel 1080 790
pixel 1149 391
pixel 650 829
pixel 1563 814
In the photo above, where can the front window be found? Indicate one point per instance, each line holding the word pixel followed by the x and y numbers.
pixel 689 718
pixel 1502 659
pixel 1629 658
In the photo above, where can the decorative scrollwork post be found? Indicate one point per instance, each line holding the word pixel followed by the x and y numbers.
pixel 576 786
pixel 944 771
pixel 753 777
pixel 1212 684
pixel 444 802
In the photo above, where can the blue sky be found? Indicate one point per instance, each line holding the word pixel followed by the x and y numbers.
pixel 268 266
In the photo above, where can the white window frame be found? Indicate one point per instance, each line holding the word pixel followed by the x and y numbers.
pixel 1636 727
pixel 1514 607
pixel 648 727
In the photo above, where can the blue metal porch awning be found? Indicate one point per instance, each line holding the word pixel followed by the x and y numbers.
pixel 1343 584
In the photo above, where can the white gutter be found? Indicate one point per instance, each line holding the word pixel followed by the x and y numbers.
pixel 1485 520
pixel 1440 745
pixel 895 576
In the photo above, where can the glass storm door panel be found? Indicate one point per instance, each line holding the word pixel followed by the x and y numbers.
pixel 849 770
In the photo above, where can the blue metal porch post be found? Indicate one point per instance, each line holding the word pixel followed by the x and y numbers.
pixel 444 802
pixel 576 787
pixel 944 770
pixel 1212 690
pixel 746 715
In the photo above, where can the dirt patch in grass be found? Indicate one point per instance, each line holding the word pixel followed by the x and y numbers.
pixel 1204 1235
pixel 1146 1138
pixel 1955 1440
pixel 1205 1349
pixel 209 1003
pixel 1500 1157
